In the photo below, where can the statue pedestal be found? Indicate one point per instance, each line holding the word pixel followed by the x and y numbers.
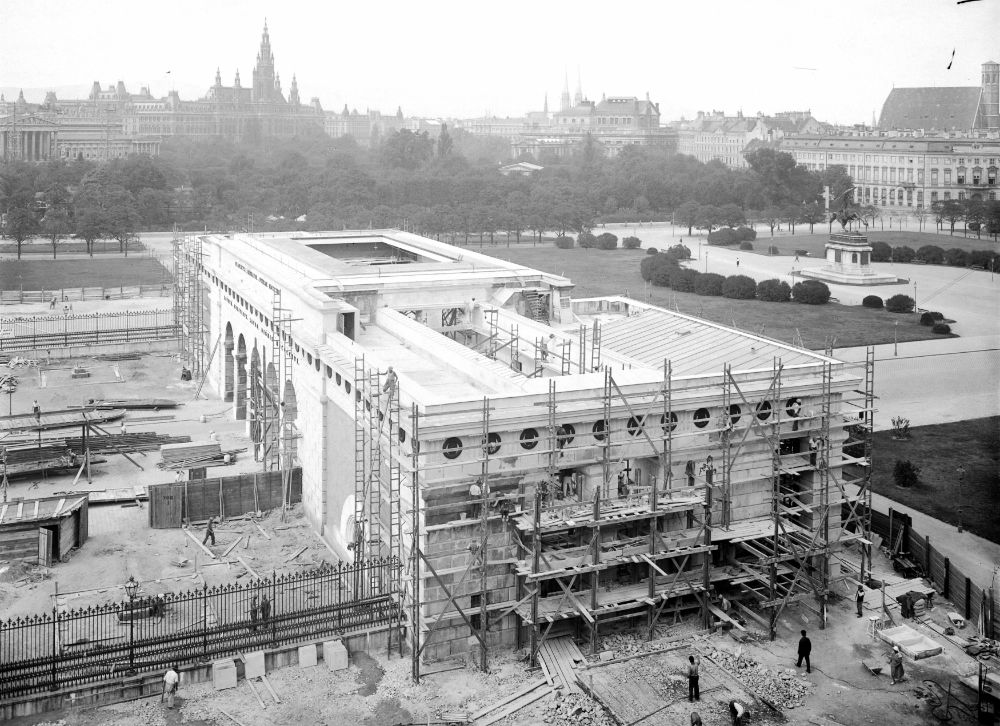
pixel 848 262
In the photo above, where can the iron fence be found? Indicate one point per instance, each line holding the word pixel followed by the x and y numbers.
pixel 70 647
pixel 30 332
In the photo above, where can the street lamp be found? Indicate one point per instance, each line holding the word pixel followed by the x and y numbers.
pixel 914 296
pixel 131 589
pixel 895 341
pixel 706 260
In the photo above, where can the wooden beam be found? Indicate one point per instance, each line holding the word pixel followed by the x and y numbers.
pixel 231 547
pixel 270 688
pixel 194 539
pixel 517 694
pixel 515 706
pixel 231 718
pixel 752 615
pixel 247 567
pixel 256 693
pixel 266 535
pixel 297 553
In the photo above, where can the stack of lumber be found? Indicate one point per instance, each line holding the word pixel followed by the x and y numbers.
pixel 129 404
pixel 194 455
pixel 128 443
pixel 24 459
pixel 63 419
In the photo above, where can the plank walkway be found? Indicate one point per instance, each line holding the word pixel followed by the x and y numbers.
pixel 561 656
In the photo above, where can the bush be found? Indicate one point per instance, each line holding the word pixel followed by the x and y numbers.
pixel 773 291
pixel 680 251
pixel 974 226
pixel 905 473
pixel 982 258
pixel 564 243
pixel 586 240
pixel 723 237
pixel 899 304
pixel 746 234
pixel 811 292
pixel 631 243
pixel 956 257
pixel 903 254
pixel 746 246
pixel 872 301
pixel 682 279
pixel 646 267
pixel 931 254
pixel 739 287
pixel 927 319
pixel 657 268
pixel 773 250
pixel 709 283
pixel 661 275
pixel 881 252
pixel 941 328
pixel 650 250
pixel 607 241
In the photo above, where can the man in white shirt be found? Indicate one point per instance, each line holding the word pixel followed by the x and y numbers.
pixel 170 682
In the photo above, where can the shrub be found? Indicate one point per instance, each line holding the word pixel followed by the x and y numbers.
pixel 773 291
pixel 811 292
pixel 646 267
pixel 982 258
pixel 746 246
pixel 900 427
pixel 899 304
pixel 881 252
pixel 586 240
pixel 872 301
pixel 723 237
pixel 956 257
pixel 709 283
pixel 773 250
pixel 651 250
pixel 927 319
pixel 631 243
pixel 739 287
pixel 931 254
pixel 564 243
pixel 662 274
pixel 941 328
pixel 657 268
pixel 680 251
pixel 682 279
pixel 607 241
pixel 746 234
pixel 974 226
pixel 905 473
pixel 903 254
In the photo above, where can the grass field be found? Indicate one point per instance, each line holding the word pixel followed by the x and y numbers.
pixel 599 272
pixel 57 274
pixel 938 451
pixel 787 244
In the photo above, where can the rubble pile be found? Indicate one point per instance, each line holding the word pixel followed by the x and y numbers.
pixel 621 645
pixel 576 709
pixel 783 689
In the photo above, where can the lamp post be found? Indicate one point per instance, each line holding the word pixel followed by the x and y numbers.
pixel 895 341
pixel 706 260
pixel 131 588
pixel 961 487
pixel 914 296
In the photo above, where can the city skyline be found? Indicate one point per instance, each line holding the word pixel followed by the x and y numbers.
pixel 455 63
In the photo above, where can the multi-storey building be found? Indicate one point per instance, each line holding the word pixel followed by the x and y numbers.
pixel 717 137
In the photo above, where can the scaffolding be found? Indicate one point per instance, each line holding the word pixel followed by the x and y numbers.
pixel 189 303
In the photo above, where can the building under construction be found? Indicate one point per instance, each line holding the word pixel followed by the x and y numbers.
pixel 538 464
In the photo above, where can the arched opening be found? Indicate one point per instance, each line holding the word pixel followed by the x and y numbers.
pixel 229 365
pixel 289 426
pixel 256 402
pixel 272 411
pixel 240 384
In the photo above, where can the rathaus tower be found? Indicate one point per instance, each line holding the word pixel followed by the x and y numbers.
pixel 266 86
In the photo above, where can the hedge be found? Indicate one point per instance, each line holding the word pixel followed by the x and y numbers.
pixel 586 240
pixel 941 328
pixel 709 283
pixel 649 250
pixel 632 243
pixel 564 243
pixel 680 251
pixel 739 287
pixel 881 252
pixel 903 254
pixel 773 291
pixel 872 301
pixel 682 279
pixel 811 292
pixel 746 245
pixel 606 241
pixel 931 254
pixel 899 304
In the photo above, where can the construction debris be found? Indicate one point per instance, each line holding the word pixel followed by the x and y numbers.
pixel 577 710
pixel 781 689
pixel 195 455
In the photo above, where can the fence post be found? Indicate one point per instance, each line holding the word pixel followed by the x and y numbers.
pixel 991 613
pixel 204 621
pixel 927 557
pixel 968 599
pixel 947 577
pixel 55 650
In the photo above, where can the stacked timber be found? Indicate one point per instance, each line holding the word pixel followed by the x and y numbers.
pixel 195 455
pixel 25 459
pixel 129 404
pixel 124 443
pixel 61 419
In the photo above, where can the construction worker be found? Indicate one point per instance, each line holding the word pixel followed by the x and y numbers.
pixel 736 712
pixel 254 610
pixel 805 648
pixel 265 609
pixel 859 598
pixel 896 673
pixel 210 531
pixel 694 693
pixel 170 682
pixel 36 409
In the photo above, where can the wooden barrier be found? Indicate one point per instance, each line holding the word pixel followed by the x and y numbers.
pixel 170 505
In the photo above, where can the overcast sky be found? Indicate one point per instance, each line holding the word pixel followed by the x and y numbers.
pixel 459 58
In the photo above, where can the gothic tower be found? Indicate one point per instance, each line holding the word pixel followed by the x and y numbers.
pixel 293 92
pixel 263 72
pixel 564 102
pixel 989 104
pixel 578 98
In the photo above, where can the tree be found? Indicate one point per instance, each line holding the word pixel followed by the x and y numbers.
pixel 709 217
pixel 812 214
pixel 22 224
pixel 771 216
pixel 791 214
pixel 975 216
pixel 444 142
pixel 731 215
pixel 921 214
pixel 55 225
pixel 774 168
pixel 405 149
pixel 952 212
pixel 687 215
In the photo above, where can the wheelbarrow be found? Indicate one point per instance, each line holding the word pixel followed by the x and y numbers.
pixel 873 667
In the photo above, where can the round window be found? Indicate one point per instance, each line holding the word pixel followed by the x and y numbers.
pixel 672 425
pixel 599 430
pixel 735 414
pixel 492 443
pixel 793 407
pixel 565 434
pixel 452 447
pixel 634 425
pixel 529 439
pixel 701 418
pixel 764 410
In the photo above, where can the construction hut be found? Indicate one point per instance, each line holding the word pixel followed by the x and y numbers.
pixel 42 531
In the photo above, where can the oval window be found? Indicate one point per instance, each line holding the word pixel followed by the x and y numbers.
pixel 565 434
pixel 735 414
pixel 764 410
pixel 347 386
pixel 672 425
pixel 793 407
pixel 634 425
pixel 452 447
pixel 599 429
pixel 529 439
pixel 701 418
pixel 492 443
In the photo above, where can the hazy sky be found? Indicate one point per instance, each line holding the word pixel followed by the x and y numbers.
pixel 460 58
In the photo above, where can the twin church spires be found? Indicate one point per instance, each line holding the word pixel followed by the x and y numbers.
pixel 564 103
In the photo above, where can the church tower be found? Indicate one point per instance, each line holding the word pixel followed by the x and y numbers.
pixel 564 102
pixel 263 72
pixel 578 98
pixel 989 104
pixel 293 92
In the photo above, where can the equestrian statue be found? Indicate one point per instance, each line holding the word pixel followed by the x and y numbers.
pixel 847 214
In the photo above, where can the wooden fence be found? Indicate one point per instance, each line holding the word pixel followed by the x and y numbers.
pixel 969 597
pixel 170 505
pixel 78 294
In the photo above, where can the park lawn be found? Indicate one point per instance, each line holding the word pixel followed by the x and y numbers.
pixel 616 272
pixel 814 243
pixel 938 451
pixel 58 274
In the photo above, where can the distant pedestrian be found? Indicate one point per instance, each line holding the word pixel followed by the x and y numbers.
pixel 210 531
pixel 896 673
pixel 254 611
pixel 859 598
pixel 737 261
pixel 736 712
pixel 52 303
pixel 265 609
pixel 805 648
pixel 36 410
pixel 796 256
pixel 696 719
pixel 124 429
pixel 170 682
pixel 694 693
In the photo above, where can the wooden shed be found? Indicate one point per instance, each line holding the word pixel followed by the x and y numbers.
pixel 42 530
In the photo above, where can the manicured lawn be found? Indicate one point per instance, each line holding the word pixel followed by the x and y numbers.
pixel 615 272
pixel 98 272
pixel 938 451
pixel 787 244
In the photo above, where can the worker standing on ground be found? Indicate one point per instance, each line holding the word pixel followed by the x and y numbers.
pixel 254 609
pixel 896 673
pixel 859 598
pixel 265 610
pixel 736 712
pixel 36 409
pixel 805 648
pixel 210 532
pixel 694 694
pixel 170 683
